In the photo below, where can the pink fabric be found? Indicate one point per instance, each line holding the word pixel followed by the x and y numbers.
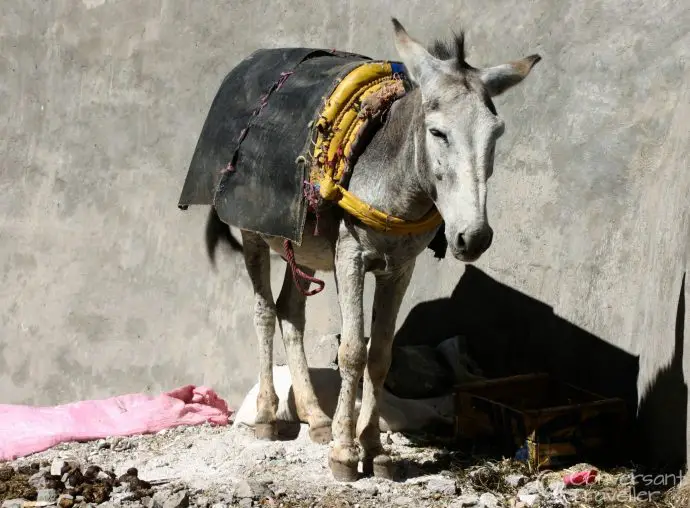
pixel 580 478
pixel 25 429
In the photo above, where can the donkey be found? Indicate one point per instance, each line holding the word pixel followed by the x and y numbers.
pixel 435 149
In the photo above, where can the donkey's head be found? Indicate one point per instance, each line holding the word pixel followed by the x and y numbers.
pixel 461 127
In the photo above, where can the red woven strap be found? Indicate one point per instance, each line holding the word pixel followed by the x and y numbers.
pixel 296 272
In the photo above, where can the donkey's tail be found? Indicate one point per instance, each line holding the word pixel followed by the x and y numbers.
pixel 218 231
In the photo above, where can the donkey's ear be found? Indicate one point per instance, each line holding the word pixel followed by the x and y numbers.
pixel 419 62
pixel 500 78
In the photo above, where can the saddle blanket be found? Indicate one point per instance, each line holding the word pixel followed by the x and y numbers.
pixel 250 161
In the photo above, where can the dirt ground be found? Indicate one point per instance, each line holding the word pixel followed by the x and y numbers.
pixel 215 467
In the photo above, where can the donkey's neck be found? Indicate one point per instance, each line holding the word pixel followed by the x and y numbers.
pixel 391 174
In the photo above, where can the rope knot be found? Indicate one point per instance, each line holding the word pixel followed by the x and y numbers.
pixel 329 190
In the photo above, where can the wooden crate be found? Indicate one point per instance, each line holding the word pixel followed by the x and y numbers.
pixel 540 420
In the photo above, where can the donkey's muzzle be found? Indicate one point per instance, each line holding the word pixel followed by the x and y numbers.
pixel 470 244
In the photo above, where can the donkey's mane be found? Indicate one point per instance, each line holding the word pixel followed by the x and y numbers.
pixel 455 50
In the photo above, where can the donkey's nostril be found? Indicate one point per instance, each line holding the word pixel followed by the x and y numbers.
pixel 460 241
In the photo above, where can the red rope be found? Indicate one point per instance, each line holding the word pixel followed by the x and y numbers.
pixel 296 272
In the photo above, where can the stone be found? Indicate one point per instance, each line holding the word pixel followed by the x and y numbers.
pixel 465 500
pixel 57 467
pixel 445 486
pixel 516 480
pixel 245 502
pixel 530 488
pixel 73 478
pixel 488 500
pixel 49 495
pixel 251 489
pixel 65 501
pixel 403 501
pixel 160 497
pixel 13 503
pixel 39 481
pixel 367 489
pixel 528 499
pixel 102 476
pixel 202 502
pixel 177 500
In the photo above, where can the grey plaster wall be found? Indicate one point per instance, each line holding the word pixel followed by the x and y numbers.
pixel 105 285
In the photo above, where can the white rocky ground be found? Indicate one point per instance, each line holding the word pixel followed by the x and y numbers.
pixel 217 467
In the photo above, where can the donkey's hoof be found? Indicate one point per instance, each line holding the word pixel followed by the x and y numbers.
pixel 266 431
pixel 383 467
pixel 322 434
pixel 343 471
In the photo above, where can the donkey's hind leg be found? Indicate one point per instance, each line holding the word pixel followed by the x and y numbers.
pixel 291 313
pixel 258 263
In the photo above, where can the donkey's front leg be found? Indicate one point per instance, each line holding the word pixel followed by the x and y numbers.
pixel 390 289
pixel 352 353
pixel 258 263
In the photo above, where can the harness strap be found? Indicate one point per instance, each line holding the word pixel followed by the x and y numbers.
pixel 296 272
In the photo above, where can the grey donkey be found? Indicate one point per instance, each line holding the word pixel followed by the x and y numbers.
pixel 435 149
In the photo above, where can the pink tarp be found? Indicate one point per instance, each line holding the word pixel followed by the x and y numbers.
pixel 25 429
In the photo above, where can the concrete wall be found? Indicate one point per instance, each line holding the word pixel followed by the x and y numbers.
pixel 105 285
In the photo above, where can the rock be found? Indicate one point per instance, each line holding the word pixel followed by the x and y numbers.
pixel 39 481
pixel 403 501
pixel 488 500
pixel 102 476
pixel 528 499
pixel 49 495
pixel 445 486
pixel 73 478
pixel 219 505
pixel 530 488
pixel 245 502
pixel 57 466
pixel 202 502
pixel 160 497
pixel 178 500
pixel 516 480
pixel 65 501
pixel 251 489
pixel 367 490
pixel 13 503
pixel 6 472
pixel 465 500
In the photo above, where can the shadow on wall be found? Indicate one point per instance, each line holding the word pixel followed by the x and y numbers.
pixel 511 333
pixel 662 414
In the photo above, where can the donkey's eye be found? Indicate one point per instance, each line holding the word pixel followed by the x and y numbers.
pixel 438 134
